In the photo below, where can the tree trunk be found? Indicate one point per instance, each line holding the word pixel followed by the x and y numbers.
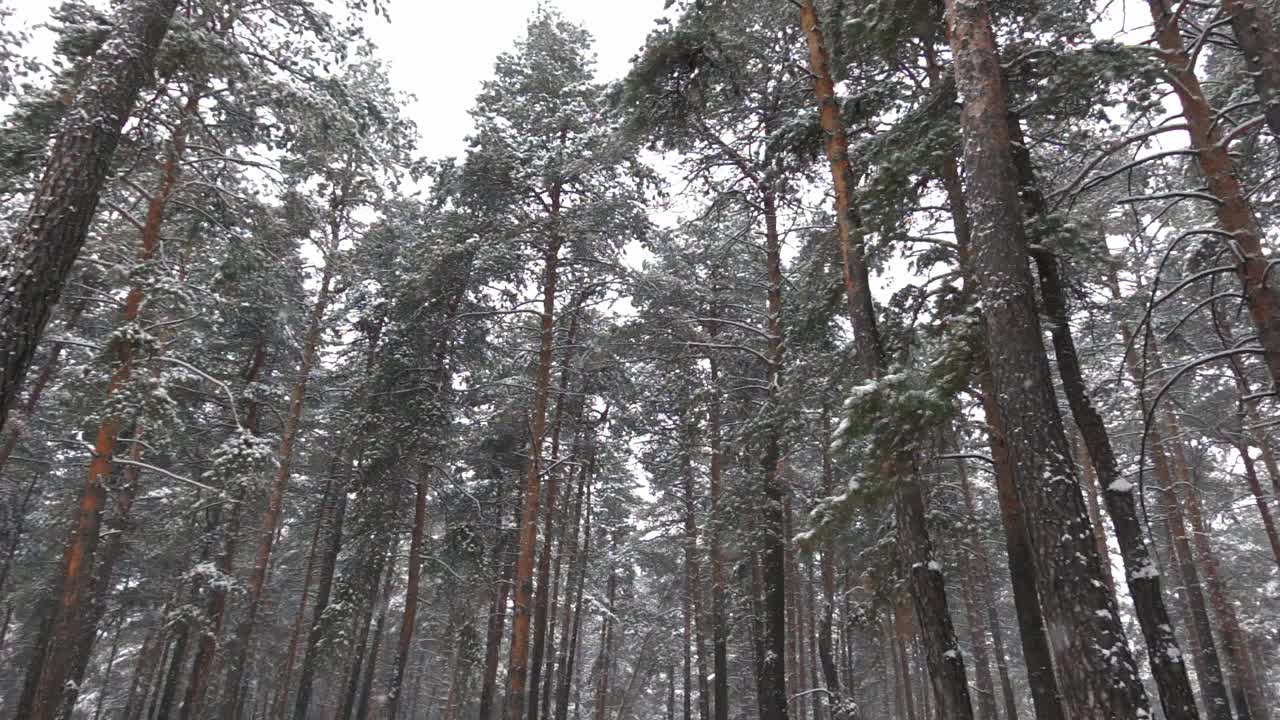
pixel 1248 696
pixel 1259 499
pixel 299 619
pixel 1235 213
pixel 373 598
pixel 174 674
pixel 719 631
pixel 409 621
pixel 1213 688
pixel 36 264
pixel 901 640
pixel 545 588
pixel 1259 43
pixel 497 621
pixel 571 641
pixel 106 673
pixel 147 656
pixel 522 582
pixel 1091 492
pixel 773 557
pixel 928 590
pixel 366 691
pixel 977 631
pixel 335 514
pixel 1168 665
pixel 202 666
pixel 1102 679
pixel 830 675
pixel 81 551
pixel 606 642
pixel 238 654
pixel 693 587
pixel 1037 656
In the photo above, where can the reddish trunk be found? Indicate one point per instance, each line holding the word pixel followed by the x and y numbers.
pixel 1248 695
pixel 928 591
pixel 518 662
pixel 1235 213
pixel 81 550
pixel 542 601
pixel 408 622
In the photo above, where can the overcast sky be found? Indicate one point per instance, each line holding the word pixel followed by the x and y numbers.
pixel 442 51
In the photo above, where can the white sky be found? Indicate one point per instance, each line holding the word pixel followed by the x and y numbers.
pixel 442 51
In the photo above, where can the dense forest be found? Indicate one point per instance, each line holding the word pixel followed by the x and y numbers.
pixel 844 360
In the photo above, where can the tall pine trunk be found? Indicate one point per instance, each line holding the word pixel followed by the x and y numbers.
pixel 928 590
pixel 1255 32
pixel 1247 692
pixel 1235 213
pixel 334 517
pixel 977 629
pixel 1102 680
pixel 73 611
pixel 772 531
pixel 202 665
pixel 545 589
pixel 35 265
pixel 238 653
pixel 408 621
pixel 1168 665
pixel 522 582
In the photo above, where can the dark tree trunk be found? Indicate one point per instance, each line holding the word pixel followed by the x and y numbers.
pixel 1245 686
pixel 497 621
pixel 335 514
pixel 1102 680
pixel 409 621
pixel 1168 666
pixel 977 629
pixel 1259 43
pixel 571 641
pixel 36 264
pixel 719 631
pixel 901 641
pixel 1036 653
pixel 606 641
pixel 772 530
pixel 206 650
pixel 371 671
pixel 238 653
